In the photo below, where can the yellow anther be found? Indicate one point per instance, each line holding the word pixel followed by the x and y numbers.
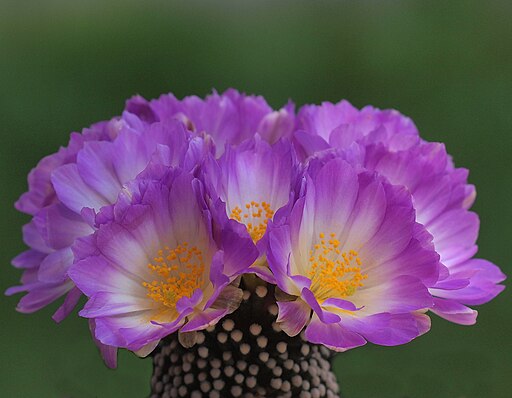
pixel 333 273
pixel 255 218
pixel 177 277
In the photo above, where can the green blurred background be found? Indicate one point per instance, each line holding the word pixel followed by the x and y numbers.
pixel 448 65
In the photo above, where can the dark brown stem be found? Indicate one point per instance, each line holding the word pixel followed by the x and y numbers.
pixel 244 355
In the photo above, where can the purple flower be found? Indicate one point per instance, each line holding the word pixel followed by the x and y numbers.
pixel 156 266
pixel 441 198
pixel 41 193
pixel 229 118
pixel 84 177
pixel 67 189
pixel 351 254
pixel 155 216
pixel 249 184
pixel 53 229
pixel 387 142
pixel 341 125
pixel 92 169
pixel 102 168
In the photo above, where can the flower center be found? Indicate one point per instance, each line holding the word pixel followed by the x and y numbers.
pixel 255 216
pixel 179 272
pixel 334 273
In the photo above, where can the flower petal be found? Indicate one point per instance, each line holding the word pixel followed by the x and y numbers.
pixel 332 335
pixel 293 316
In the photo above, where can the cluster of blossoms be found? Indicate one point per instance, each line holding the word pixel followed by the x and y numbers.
pixel 156 216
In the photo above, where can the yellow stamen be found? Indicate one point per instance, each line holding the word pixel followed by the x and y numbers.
pixel 333 273
pixel 178 273
pixel 255 218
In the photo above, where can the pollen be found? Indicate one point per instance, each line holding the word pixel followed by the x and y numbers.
pixel 255 216
pixel 334 273
pixel 178 273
